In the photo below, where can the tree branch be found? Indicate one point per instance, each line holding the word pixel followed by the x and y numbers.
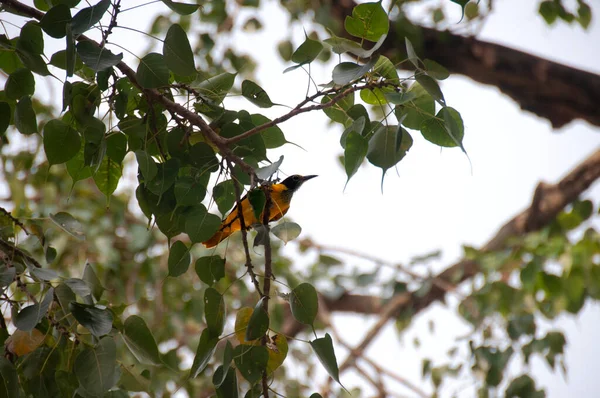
pixel 551 90
pixel 551 199
pixel 173 107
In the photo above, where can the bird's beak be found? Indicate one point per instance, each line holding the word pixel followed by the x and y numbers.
pixel 306 178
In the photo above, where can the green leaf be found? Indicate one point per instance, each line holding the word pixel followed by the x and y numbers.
pixel 78 286
pixel 5 113
pixel 55 21
pixel 95 367
pixel 189 192
pixel 435 70
pixel 206 349
pixel 584 15
pixel 214 311
pixel 97 320
pixel 345 72
pixel 436 130
pixel 31 38
pixel 255 94
pixel 147 165
pixel 224 195
pixel 108 175
pixel 257 199
pixel 304 303
pixel 273 137
pixel 116 146
pixel 20 83
pixel 61 141
pixel 152 72
pixel 250 146
pixel 200 225
pixel 88 17
pixel 181 8
pixel 368 21
pixel 203 157
pixel 217 87
pixel 218 380
pixel 431 86
pixel 401 98
pixel 251 361
pixel 98 59
pixel 179 259
pixel 228 387
pixel 410 52
pixel 91 279
pixel 43 274
pixel 415 112
pixel 258 323
pixel 31 315
pixel 384 151
pixel 338 112
pixel 375 96
pixel 178 52
pixel 69 224
pixel 549 11
pixel 287 231
pixel 30 46
pixel 462 4
pixel 7 275
pixel 9 387
pixel 210 269
pixel 386 69
pixel 340 45
pixel 323 347
pixel 355 151
pixel 307 52
pixel 140 341
pixel 77 169
pixel 166 176
pixel 27 318
pixel 25 119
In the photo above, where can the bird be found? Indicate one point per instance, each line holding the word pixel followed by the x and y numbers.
pixel 281 197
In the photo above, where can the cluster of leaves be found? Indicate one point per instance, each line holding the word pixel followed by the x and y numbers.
pixel 539 277
pixel 381 142
pixel 552 10
pixel 73 335
pixel 175 163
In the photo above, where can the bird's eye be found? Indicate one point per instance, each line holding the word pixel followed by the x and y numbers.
pixel 296 178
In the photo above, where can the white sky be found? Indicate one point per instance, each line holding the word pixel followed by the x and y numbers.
pixel 436 202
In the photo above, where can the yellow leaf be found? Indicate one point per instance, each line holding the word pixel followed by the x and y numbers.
pixel 278 349
pixel 241 323
pixel 21 343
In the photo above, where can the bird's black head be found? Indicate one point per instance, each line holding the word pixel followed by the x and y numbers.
pixel 294 182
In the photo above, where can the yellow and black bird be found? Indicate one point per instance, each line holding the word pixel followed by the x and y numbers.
pixel 281 196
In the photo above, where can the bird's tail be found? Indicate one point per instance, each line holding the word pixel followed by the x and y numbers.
pixel 219 236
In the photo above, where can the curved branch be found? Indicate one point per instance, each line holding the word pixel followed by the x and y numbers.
pixel 550 199
pixel 553 91
pixel 173 107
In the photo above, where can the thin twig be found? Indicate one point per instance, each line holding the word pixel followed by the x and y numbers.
pixel 113 22
pixel 249 266
pixel 301 109
pixel 10 250
pixel 325 317
pixel 266 188
pixel 442 284
pixel 14 220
